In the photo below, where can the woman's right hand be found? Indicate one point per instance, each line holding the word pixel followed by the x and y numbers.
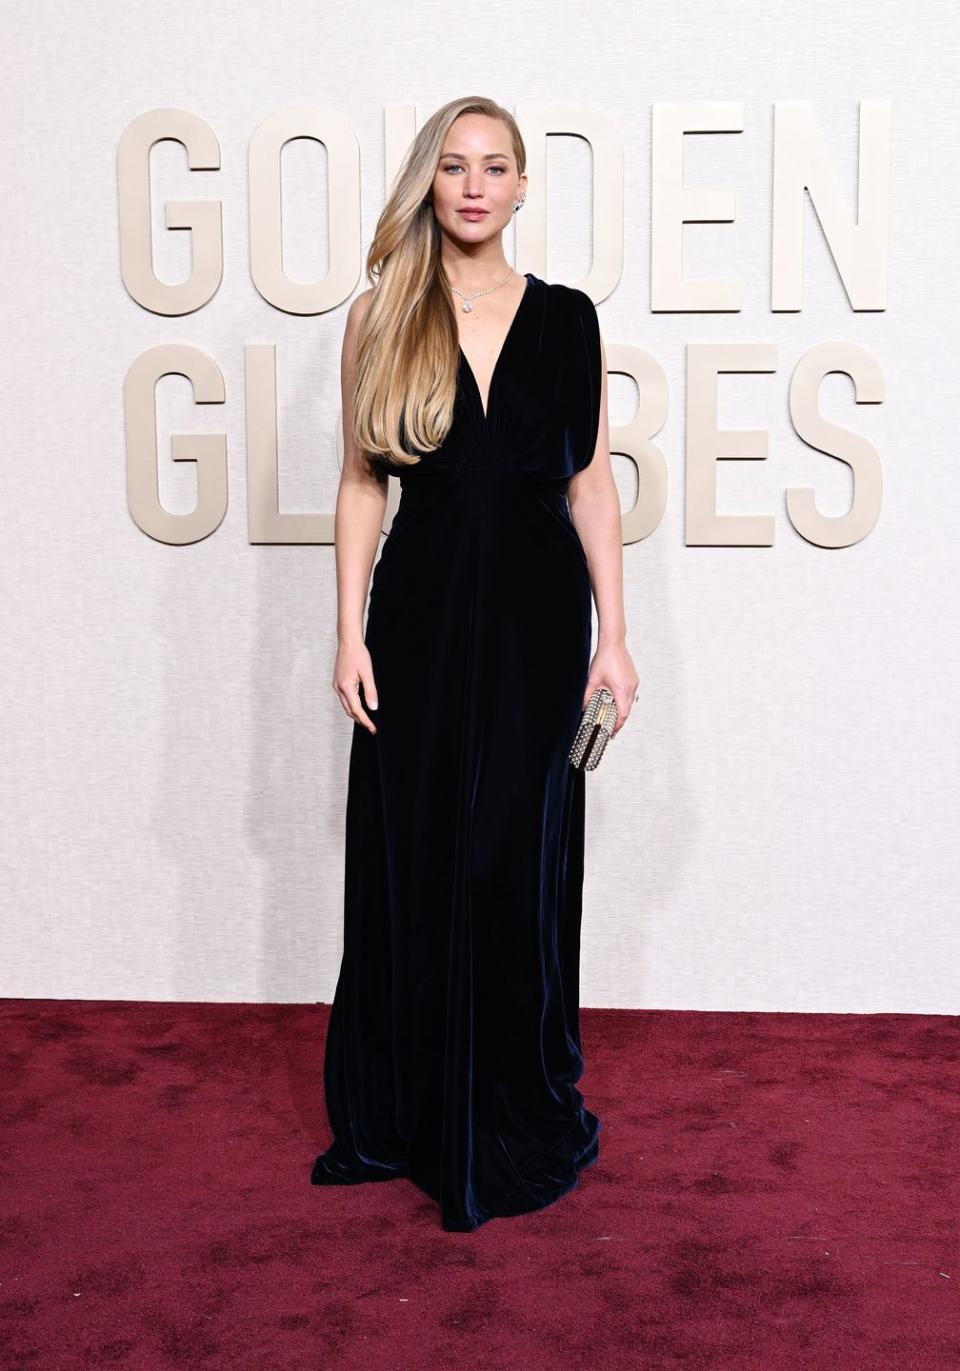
pixel 354 665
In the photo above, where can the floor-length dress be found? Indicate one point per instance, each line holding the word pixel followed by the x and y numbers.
pixel 453 1047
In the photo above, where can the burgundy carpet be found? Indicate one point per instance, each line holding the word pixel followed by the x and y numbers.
pixel 773 1191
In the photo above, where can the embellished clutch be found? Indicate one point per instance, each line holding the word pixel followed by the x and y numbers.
pixel 596 726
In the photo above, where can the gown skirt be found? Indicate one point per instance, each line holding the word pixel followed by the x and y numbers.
pixel 453 1045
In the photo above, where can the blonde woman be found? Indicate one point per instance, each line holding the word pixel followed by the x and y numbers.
pixel 453 1047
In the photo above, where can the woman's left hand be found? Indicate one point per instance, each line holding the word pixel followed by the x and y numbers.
pixel 612 666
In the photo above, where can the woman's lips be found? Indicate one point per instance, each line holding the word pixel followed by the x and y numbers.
pixel 472 213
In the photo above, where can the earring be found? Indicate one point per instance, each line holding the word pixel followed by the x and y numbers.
pixel 519 203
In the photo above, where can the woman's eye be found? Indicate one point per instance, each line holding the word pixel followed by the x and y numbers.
pixel 456 166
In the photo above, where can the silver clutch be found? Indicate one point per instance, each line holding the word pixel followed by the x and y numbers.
pixel 596 726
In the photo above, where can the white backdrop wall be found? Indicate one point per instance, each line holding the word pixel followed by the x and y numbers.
pixel 775 828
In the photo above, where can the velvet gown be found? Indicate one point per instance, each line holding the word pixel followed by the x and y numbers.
pixel 453 1046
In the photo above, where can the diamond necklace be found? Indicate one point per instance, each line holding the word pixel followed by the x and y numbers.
pixel 468 298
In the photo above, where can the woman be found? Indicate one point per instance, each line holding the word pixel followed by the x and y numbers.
pixel 453 1048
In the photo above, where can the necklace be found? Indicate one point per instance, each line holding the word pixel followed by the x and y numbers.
pixel 468 306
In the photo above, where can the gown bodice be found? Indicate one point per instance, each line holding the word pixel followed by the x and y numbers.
pixel 543 405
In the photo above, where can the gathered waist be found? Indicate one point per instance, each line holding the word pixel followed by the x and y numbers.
pixel 440 481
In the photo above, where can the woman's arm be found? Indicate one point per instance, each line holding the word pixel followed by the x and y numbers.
pixel 595 510
pixel 358 522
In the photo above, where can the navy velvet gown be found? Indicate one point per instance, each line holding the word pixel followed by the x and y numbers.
pixel 453 1047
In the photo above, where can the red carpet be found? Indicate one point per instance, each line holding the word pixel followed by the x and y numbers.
pixel 773 1191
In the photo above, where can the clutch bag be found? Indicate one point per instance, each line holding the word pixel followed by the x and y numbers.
pixel 596 726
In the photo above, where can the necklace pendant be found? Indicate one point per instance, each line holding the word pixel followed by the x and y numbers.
pixel 467 307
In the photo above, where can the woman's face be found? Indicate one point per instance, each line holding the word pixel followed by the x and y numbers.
pixel 476 185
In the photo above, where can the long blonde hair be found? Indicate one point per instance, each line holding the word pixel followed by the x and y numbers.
pixel 407 348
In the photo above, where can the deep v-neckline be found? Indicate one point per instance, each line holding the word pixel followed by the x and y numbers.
pixel 485 409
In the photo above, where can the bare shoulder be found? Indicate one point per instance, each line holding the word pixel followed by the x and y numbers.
pixel 362 300
pixel 355 314
pixel 358 308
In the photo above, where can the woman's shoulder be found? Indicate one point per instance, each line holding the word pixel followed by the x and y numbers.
pixel 573 300
pixel 355 316
pixel 359 305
